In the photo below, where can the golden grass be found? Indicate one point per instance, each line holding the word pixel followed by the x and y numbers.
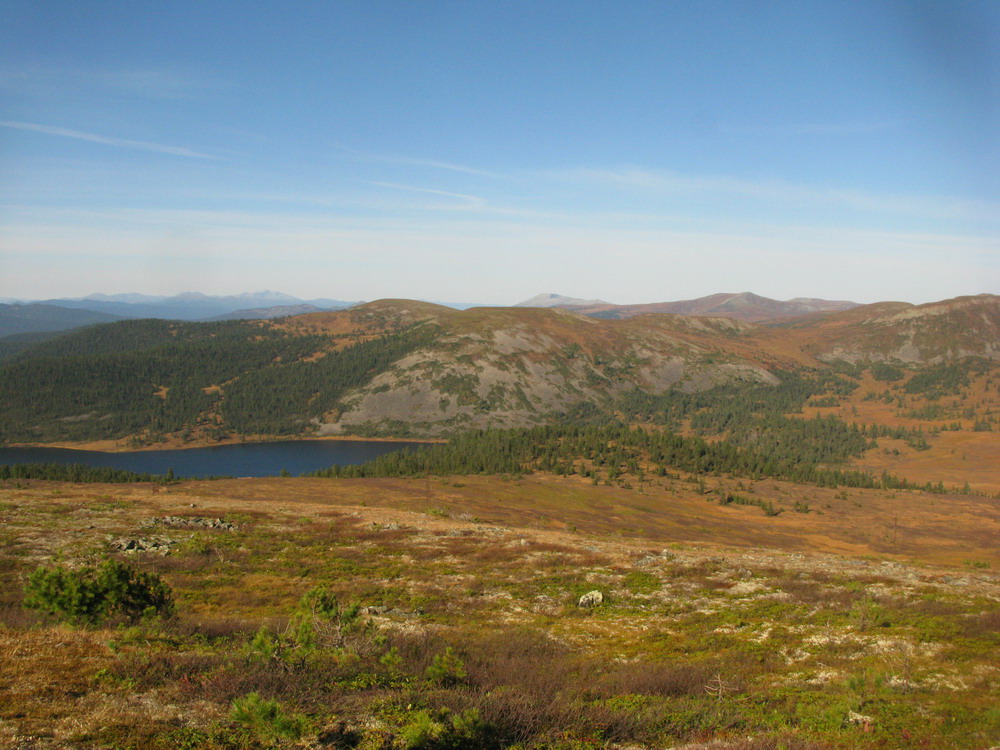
pixel 904 525
pixel 50 671
pixel 491 565
pixel 954 457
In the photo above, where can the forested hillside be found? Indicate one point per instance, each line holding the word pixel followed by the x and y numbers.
pixel 147 378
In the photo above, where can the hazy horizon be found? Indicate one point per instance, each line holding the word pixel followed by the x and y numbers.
pixel 461 302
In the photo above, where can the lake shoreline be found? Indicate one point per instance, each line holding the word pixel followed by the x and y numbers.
pixel 260 458
pixel 116 446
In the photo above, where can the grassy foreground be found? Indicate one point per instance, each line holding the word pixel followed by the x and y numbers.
pixel 847 619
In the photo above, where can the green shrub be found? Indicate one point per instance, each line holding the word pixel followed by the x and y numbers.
pixel 423 731
pixel 444 730
pixel 266 719
pixel 264 646
pixel 320 621
pixel 885 372
pixel 92 595
pixel 446 669
pixel 391 660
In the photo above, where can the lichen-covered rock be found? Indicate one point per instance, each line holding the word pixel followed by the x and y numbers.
pixel 591 599
pixel 189 522
pixel 160 545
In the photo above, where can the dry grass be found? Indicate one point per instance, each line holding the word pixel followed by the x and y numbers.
pixel 911 526
pixel 764 625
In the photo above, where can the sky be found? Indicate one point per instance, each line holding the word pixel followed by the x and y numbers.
pixel 490 151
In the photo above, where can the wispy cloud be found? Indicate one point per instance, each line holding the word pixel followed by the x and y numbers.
pixel 472 200
pixel 413 161
pixel 154 82
pixel 107 141
pixel 45 247
pixel 656 182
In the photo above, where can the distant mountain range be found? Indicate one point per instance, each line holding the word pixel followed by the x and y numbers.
pixel 63 314
pixel 744 306
pixel 190 305
pixel 36 317
pixel 39 318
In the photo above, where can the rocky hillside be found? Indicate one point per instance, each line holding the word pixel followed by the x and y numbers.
pixel 516 366
pixel 897 331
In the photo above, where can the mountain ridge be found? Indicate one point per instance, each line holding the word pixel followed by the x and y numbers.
pixel 190 306
pixel 63 314
pixel 742 306
pixel 16 319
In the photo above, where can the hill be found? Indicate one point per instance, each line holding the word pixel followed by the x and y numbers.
pixel 558 300
pixel 516 366
pixel 897 331
pixel 267 313
pixel 745 306
pixel 11 346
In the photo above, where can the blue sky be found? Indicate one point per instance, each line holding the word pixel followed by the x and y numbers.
pixel 474 151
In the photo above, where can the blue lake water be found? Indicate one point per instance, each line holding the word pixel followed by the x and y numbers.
pixel 240 460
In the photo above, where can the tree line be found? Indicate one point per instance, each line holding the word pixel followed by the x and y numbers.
pixel 77 473
pixel 608 451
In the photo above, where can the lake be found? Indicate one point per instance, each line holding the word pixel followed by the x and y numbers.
pixel 239 460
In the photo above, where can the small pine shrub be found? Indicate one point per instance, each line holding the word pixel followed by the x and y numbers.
pixel 422 731
pixel 92 595
pixel 447 669
pixel 391 660
pixel 266 719
pixel 265 645
pixel 466 727
pixel 320 621
pixel 444 730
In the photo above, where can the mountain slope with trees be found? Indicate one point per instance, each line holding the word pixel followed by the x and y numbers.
pixel 406 368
